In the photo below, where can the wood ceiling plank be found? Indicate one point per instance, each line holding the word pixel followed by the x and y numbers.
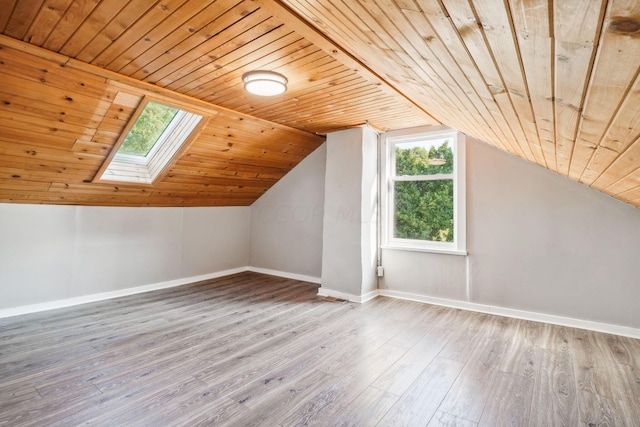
pixel 14 86
pixel 448 61
pixel 126 17
pixel 576 30
pixel 176 179
pixel 420 51
pixel 40 153
pixel 17 173
pixel 306 83
pixel 466 23
pixel 10 163
pixel 615 71
pixel 23 185
pixel 96 189
pixel 620 142
pixel 330 85
pixel 272 56
pixel 225 169
pixel 22 16
pixel 11 106
pixel 210 71
pixel 73 18
pixel 629 183
pixel 495 20
pixel 260 187
pixel 100 16
pixel 239 148
pixel 321 40
pixel 451 39
pixel 46 20
pixel 230 25
pixel 624 165
pixel 220 53
pixel 137 33
pixel 5 13
pixel 410 77
pixel 535 44
pixel 197 29
pixel 42 73
pixel 37 124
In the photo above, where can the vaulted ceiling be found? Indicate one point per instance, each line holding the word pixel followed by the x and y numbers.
pixel 556 83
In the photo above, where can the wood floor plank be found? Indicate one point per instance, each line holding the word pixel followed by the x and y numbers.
pixel 443 419
pixel 555 400
pixel 401 375
pixel 367 409
pixel 472 388
pixel 509 402
pixel 250 349
pixel 423 398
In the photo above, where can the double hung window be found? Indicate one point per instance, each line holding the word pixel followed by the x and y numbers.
pixel 424 186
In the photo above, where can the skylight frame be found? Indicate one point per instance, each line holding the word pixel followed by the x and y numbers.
pixel 136 169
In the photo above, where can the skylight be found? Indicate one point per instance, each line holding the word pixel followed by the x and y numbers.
pixel 144 135
pixel 156 135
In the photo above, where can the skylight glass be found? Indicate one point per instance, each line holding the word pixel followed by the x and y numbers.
pixel 158 133
pixel 152 122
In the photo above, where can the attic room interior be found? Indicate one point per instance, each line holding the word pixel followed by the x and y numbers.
pixel 432 219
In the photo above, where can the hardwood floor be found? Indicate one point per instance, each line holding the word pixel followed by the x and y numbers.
pixel 251 349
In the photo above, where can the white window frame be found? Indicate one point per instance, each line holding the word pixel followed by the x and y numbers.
pixel 388 143
pixel 131 168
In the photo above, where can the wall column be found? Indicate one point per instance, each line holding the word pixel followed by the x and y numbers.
pixel 350 215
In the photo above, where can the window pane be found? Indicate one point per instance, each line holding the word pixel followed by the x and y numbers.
pixel 153 120
pixel 428 157
pixel 424 210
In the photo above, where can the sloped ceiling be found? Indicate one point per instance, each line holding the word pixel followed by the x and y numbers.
pixel 553 82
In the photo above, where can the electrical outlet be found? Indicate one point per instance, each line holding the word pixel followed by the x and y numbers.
pixel 380 271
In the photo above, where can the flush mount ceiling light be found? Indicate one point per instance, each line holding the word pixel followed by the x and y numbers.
pixel 264 83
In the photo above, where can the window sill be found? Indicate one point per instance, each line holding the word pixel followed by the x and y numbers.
pixel 422 249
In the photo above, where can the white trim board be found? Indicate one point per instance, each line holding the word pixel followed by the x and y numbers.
pixel 324 292
pixel 69 302
pixel 517 314
pixel 285 274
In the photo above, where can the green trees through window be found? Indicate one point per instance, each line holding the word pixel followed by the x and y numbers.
pixel 151 123
pixel 424 207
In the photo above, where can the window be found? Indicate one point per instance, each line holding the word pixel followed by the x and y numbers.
pixel 153 138
pixel 424 191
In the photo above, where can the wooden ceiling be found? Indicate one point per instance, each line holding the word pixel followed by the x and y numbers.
pixel 556 83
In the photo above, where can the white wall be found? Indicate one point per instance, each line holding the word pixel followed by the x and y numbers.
pixel 369 210
pixel 349 228
pixel 52 253
pixel 341 253
pixel 536 242
pixel 286 222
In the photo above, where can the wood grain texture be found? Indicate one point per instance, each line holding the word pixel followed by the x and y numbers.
pixel 256 350
pixel 556 83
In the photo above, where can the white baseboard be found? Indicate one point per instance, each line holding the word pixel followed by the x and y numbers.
pixel 518 314
pixel 285 274
pixel 324 292
pixel 68 302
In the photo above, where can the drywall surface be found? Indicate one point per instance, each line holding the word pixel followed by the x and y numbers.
pixel 286 222
pixel 540 242
pixel 52 253
pixel 369 210
pixel 423 273
pixel 536 241
pixel 341 252
pixel 214 239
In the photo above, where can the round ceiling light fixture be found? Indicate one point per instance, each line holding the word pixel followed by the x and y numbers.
pixel 264 83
